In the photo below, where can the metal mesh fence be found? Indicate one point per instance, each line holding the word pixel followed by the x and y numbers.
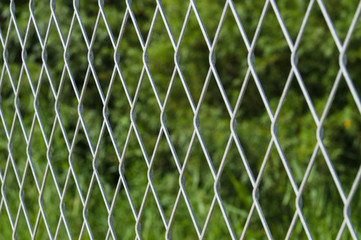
pixel 94 144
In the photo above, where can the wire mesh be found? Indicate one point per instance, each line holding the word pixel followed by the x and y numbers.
pixel 25 119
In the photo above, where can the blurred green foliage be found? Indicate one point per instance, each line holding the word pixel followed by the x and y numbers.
pixel 318 65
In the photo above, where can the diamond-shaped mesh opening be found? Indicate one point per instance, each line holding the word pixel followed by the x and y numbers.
pixel 249 21
pixel 45 105
pixel 324 216
pixel 235 189
pixel 78 56
pixel 82 161
pixel 22 15
pixel 73 210
pixel 198 183
pixel 92 109
pixel 61 231
pixel 85 234
pixel 18 149
pixel 179 118
pixel 255 228
pixel 68 106
pixel 175 10
pixel 343 141
pixel 296 131
pixel 212 132
pixel 217 228
pixel 341 15
pixel 30 196
pixel 55 58
pixel 97 212
pixel 271 52
pixel 298 232
pixel 143 12
pixel 21 226
pixel 114 10
pixel 252 115
pixel 161 57
pixel 108 165
pixel 42 15
pixel 318 77
pixel 41 229
pixel 293 13
pixel 64 12
pixel 276 194
pixel 166 185
pixel 147 115
pixel 151 224
pixel 211 12
pixel 38 152
pixel 130 56
pixel 231 62
pixel 135 171
pixel 119 110
pixel 51 203
pixel 182 226
pixel 90 10
pixel 59 156
pixel 25 102
pixel 192 50
pixel 103 56
pixel 123 215
pixel 33 55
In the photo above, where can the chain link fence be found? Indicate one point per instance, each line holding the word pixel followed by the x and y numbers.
pixel 180 120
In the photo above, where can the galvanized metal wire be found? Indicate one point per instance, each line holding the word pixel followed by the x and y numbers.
pixel 94 147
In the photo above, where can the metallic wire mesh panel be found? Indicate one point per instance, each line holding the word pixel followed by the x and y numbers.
pixel 180 119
